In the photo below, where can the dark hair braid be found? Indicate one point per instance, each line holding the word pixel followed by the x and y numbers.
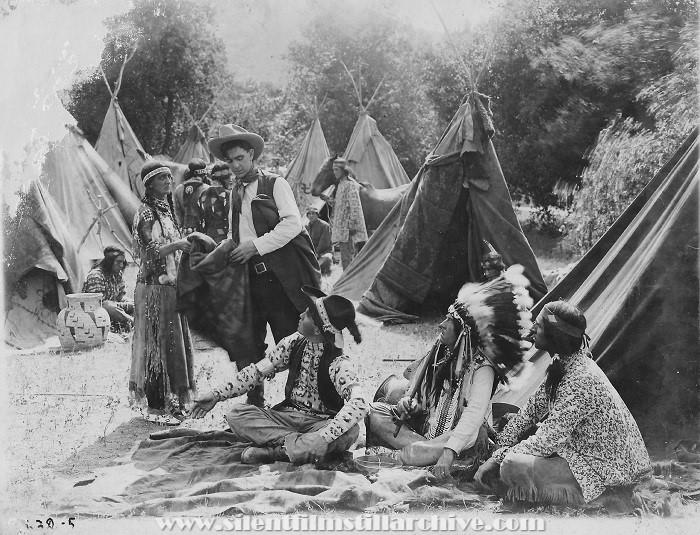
pixel 355 332
pixel 565 344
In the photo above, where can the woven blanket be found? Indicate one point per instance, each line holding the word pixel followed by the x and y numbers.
pixel 199 473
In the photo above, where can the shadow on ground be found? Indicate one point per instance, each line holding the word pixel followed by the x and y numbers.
pixel 106 451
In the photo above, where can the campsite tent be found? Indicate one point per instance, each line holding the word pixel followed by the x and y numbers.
pixel 117 143
pixel 305 165
pixel 368 151
pixel 118 146
pixel 431 242
pixel 77 178
pixel 42 264
pixel 638 287
pixel 195 146
pixel 371 156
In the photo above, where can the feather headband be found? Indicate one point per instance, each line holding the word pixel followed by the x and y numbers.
pixel 500 311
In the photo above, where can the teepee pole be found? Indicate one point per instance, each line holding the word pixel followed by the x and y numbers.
pixel 97 220
pixel 375 92
pixel 487 56
pixel 352 79
pixel 467 70
pixel 211 106
pixel 186 108
pixel 359 84
pixel 104 77
pixel 127 58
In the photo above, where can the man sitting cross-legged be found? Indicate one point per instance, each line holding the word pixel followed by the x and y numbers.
pixel 323 400
pixel 446 406
pixel 586 442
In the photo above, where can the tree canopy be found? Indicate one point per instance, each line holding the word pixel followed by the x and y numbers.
pixel 558 73
pixel 175 61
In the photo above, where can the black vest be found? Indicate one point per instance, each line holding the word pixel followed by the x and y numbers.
pixel 294 264
pixel 326 389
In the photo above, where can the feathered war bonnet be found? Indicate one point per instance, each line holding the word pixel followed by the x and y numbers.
pixel 499 313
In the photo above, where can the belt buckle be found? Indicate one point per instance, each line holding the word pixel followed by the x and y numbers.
pixel 260 268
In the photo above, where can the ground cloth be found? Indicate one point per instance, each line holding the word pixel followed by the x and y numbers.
pixel 201 474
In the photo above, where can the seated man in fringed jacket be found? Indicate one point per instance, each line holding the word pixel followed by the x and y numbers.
pixel 323 398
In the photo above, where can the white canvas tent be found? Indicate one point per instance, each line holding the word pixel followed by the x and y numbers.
pixel 369 153
pixel 302 171
pixel 117 143
pixel 196 146
pixel 42 265
pixel 76 178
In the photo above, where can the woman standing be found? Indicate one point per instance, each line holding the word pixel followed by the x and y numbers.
pixel 161 352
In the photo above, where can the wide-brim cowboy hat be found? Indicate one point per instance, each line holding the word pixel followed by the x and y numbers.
pixel 232 132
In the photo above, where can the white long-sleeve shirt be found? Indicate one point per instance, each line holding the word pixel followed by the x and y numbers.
pixel 478 399
pixel 290 218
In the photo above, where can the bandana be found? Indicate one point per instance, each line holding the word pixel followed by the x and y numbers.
pixel 200 172
pixel 561 325
pixel 327 325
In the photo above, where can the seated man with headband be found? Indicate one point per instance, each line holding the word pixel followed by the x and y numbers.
pixel 323 400
pixel 587 440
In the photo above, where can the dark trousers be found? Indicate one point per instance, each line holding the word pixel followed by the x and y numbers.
pixel 271 306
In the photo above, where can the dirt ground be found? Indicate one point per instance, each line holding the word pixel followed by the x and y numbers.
pixel 69 413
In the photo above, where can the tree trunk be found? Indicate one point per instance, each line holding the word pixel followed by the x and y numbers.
pixel 169 118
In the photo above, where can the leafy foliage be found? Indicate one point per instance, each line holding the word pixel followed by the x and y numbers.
pixel 385 63
pixel 278 115
pixel 178 59
pixel 558 72
pixel 628 155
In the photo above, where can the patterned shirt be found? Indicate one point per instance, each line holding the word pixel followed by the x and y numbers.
pixel 110 286
pixel 348 218
pixel 305 390
pixel 149 233
pixel 588 425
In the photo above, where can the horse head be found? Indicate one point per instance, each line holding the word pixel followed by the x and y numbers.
pixel 324 178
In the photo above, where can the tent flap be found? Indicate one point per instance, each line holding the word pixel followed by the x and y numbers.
pixel 638 286
pixel 439 227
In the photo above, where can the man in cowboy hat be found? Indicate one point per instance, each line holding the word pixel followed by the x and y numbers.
pixel 323 398
pixel 320 233
pixel 265 222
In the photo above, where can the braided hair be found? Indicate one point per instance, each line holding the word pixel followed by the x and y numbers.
pixel 562 344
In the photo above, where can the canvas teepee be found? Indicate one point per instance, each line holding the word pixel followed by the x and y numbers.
pixel 430 244
pixel 368 152
pixel 117 143
pixel 42 265
pixel 76 178
pixel 302 171
pixel 195 146
pixel 638 287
